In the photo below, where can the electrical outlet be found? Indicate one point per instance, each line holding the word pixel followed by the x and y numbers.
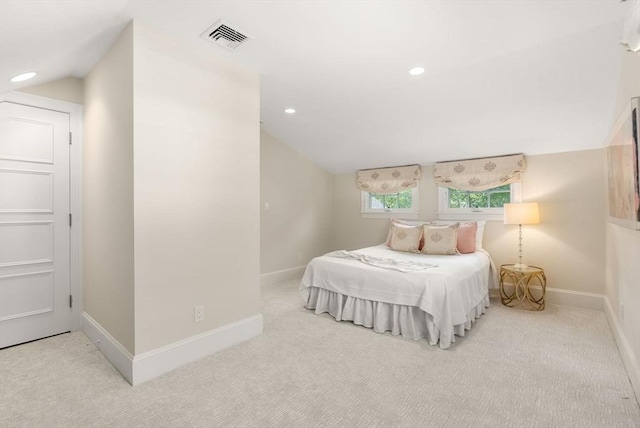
pixel 198 313
pixel 621 311
pixel 299 257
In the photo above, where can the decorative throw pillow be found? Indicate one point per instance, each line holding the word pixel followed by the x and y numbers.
pixel 479 230
pixel 406 238
pixel 440 239
pixel 406 223
pixel 467 237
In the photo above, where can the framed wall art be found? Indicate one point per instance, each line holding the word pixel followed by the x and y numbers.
pixel 623 168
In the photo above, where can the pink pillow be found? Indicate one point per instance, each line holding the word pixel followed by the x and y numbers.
pixel 467 237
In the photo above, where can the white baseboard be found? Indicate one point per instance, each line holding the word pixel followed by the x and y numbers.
pixel 154 363
pixel 628 357
pixel 141 368
pixel 113 350
pixel 580 299
pixel 560 296
pixel 282 275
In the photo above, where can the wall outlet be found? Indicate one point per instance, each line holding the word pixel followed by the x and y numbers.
pixel 621 310
pixel 299 257
pixel 198 313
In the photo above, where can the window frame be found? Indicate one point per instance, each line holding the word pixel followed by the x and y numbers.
pixel 497 214
pixel 402 213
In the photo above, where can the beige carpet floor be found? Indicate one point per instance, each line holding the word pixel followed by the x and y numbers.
pixel 557 368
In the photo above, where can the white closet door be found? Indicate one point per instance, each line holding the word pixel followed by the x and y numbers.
pixel 34 223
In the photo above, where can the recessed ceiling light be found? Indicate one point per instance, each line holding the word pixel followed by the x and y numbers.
pixel 415 71
pixel 290 110
pixel 22 77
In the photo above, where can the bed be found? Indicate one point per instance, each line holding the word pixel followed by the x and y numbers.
pixel 434 297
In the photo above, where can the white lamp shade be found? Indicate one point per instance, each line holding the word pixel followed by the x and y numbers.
pixel 524 213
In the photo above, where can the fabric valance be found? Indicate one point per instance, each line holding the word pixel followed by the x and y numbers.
pixel 479 174
pixel 385 181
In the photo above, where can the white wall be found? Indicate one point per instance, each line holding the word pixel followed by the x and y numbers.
pixel 69 89
pixel 623 251
pixel 171 204
pixel 297 224
pixel 567 244
pixel 197 191
pixel 108 263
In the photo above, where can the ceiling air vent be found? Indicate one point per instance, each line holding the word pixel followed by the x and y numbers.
pixel 223 34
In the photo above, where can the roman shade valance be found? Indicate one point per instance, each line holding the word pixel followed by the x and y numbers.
pixel 386 181
pixel 479 174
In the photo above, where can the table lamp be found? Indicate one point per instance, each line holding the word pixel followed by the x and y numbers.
pixel 522 213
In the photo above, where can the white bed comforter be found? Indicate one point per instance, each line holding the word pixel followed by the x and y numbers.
pixel 448 292
pixel 384 263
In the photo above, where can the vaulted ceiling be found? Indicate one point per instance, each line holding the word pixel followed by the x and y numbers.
pixel 500 76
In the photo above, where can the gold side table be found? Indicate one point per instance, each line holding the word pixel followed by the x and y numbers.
pixel 516 286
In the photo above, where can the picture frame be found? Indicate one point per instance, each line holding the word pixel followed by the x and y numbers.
pixel 623 168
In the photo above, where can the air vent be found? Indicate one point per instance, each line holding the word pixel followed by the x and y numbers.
pixel 224 34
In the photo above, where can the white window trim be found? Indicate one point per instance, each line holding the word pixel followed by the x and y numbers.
pixel 401 213
pixel 490 214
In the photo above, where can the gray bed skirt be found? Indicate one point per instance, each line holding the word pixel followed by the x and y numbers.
pixel 408 321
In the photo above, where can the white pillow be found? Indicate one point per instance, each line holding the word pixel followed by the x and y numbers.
pixel 398 221
pixel 406 238
pixel 440 239
pixel 479 231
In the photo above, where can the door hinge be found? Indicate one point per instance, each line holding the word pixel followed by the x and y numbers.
pixel 70 301
pixel 70 137
pixel 70 219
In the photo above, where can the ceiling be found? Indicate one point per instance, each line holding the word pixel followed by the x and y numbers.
pixel 501 76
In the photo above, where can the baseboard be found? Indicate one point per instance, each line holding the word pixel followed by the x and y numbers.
pixel 154 363
pixel 560 296
pixel 282 275
pixel 580 299
pixel 113 350
pixel 628 357
pixel 141 368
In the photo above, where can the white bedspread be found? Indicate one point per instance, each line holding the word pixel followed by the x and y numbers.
pixel 447 292
pixel 381 262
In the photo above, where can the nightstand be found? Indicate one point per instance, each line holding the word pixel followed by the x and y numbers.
pixel 518 286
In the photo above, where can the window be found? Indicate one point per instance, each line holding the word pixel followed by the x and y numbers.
pixel 462 204
pixel 492 198
pixel 402 204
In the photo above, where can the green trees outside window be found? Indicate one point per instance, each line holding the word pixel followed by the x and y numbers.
pixel 492 198
pixel 396 200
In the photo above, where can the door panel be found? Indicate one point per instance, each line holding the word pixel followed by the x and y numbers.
pixel 34 223
pixel 26 191
pixel 26 243
pixel 26 294
pixel 26 140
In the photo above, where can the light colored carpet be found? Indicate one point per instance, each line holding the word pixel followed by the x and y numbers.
pixel 555 368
